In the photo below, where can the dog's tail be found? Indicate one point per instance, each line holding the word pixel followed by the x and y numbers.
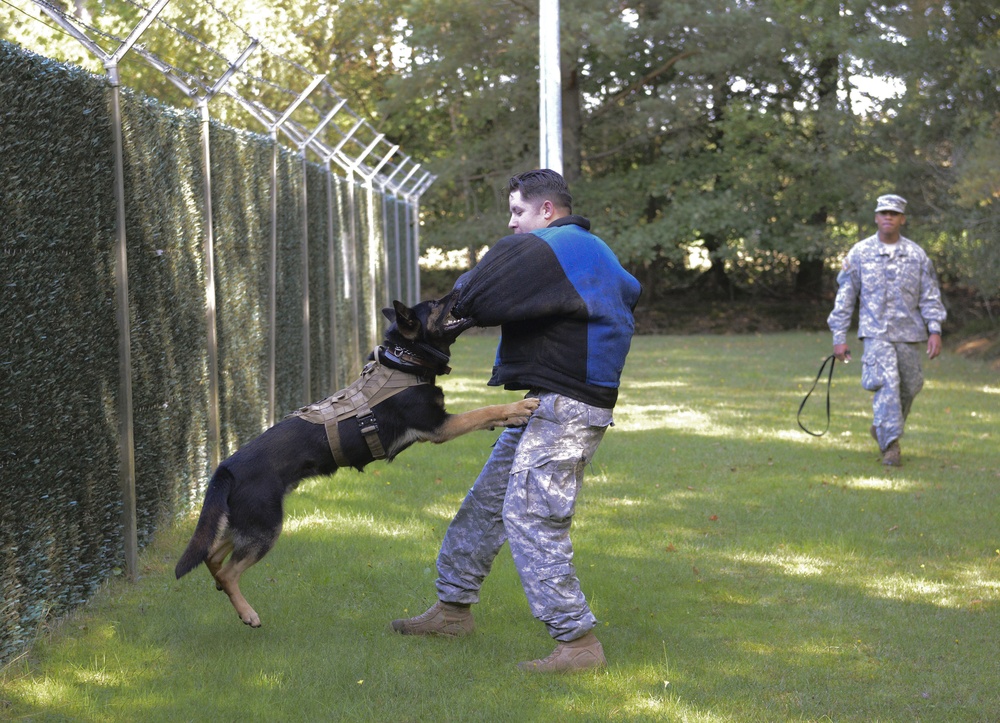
pixel 214 514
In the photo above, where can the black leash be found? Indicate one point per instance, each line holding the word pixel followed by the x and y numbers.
pixel 829 382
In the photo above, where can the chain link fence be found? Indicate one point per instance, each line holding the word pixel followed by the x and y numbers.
pixel 171 286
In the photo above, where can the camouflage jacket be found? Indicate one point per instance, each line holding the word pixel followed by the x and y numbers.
pixel 899 293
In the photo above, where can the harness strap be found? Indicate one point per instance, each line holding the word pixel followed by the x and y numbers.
pixel 376 384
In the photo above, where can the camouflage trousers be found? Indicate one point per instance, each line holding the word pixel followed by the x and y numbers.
pixel 893 371
pixel 526 496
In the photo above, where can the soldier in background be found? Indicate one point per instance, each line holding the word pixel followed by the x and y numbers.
pixel 900 308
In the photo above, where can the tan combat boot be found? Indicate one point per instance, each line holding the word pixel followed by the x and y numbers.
pixel 580 654
pixel 891 455
pixel 449 619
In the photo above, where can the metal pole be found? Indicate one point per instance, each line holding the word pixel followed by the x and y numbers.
pixel 306 350
pixel 392 290
pixel 272 312
pixel 351 274
pixel 331 253
pixel 214 427
pixel 550 86
pixel 126 440
pixel 374 257
pixel 416 249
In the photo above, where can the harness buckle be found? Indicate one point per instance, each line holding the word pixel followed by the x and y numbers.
pixel 367 423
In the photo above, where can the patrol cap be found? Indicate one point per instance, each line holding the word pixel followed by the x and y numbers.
pixel 891 202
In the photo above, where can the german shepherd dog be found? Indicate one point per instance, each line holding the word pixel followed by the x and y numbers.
pixel 243 508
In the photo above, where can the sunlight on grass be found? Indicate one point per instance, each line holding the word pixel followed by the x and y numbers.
pixel 664 416
pixel 632 386
pixel 345 523
pixel 269 681
pixel 46 691
pixel 647 693
pixel 99 677
pixel 973 588
pixel 443 510
pixel 988 589
pixel 796 435
pixel 907 587
pixel 878 483
pixel 798 565
pixel 990 390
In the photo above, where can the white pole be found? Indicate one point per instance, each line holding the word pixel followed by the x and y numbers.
pixel 550 86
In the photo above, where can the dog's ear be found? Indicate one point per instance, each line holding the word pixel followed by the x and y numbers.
pixel 406 320
pixel 389 314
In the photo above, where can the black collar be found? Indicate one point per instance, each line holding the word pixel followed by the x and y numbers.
pixel 411 361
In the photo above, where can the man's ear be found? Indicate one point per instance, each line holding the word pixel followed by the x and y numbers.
pixel 548 209
pixel 406 320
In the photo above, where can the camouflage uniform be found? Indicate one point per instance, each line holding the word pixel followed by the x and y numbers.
pixel 526 495
pixel 900 304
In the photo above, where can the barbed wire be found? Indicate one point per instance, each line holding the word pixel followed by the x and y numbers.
pixel 354 136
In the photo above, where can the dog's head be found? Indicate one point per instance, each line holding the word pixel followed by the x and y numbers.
pixel 428 327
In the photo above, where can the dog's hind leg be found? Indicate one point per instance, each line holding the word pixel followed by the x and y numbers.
pixel 247 551
pixel 216 556
pixel 229 581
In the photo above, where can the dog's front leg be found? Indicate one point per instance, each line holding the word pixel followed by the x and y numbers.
pixel 515 414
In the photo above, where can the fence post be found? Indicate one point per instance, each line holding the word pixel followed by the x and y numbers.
pixel 421 188
pixel 407 296
pixel 272 310
pixel 391 292
pixel 350 253
pixel 331 253
pixel 306 316
pixel 126 439
pixel 273 124
pixel 211 323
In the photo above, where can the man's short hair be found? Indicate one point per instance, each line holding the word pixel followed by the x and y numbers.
pixel 542 183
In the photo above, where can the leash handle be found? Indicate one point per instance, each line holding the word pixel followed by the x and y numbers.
pixel 829 382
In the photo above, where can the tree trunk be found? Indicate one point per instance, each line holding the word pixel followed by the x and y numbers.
pixel 572 123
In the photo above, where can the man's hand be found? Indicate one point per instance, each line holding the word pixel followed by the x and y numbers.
pixel 933 345
pixel 844 354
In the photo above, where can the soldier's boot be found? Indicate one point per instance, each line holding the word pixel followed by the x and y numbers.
pixel 891 455
pixel 448 619
pixel 580 654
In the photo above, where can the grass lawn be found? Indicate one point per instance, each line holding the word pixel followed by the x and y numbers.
pixel 741 570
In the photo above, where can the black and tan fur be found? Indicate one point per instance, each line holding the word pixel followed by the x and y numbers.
pixel 242 513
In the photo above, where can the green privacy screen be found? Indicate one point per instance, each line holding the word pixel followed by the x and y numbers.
pixel 342 251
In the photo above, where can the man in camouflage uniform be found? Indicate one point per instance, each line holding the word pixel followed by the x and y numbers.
pixel 564 305
pixel 900 308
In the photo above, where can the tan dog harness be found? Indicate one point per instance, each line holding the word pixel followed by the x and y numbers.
pixel 376 384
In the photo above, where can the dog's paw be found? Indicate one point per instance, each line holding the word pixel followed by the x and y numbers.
pixel 518 413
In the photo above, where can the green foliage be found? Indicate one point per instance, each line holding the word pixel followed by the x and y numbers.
pixel 58 355
pixel 743 120
pixel 740 571
pixel 735 127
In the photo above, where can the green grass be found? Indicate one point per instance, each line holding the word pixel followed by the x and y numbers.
pixel 741 570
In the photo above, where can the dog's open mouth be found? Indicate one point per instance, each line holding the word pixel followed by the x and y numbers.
pixel 452 324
